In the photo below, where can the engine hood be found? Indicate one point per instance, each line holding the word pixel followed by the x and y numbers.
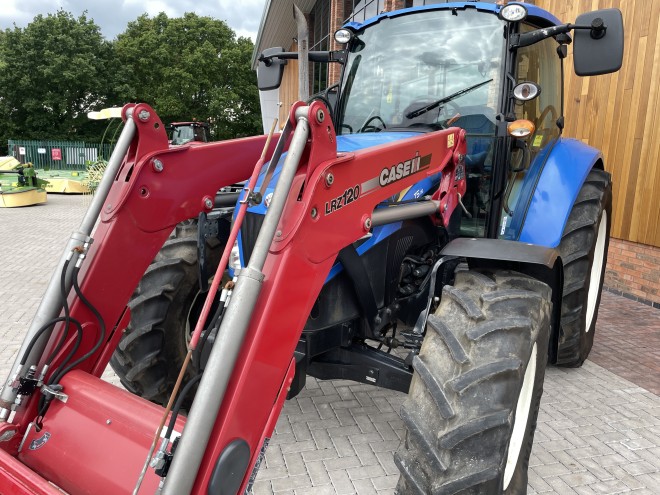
pixel 355 142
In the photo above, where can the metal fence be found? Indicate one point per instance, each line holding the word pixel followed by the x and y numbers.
pixel 59 155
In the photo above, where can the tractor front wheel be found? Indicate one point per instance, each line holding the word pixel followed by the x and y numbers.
pixel 164 309
pixel 583 250
pixel 471 411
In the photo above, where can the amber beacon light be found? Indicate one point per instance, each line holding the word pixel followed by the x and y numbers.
pixel 521 128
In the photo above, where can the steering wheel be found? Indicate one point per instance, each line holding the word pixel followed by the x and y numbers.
pixel 372 128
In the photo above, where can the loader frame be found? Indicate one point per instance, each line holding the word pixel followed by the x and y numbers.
pixel 252 362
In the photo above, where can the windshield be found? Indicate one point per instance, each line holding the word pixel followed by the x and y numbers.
pixel 424 70
pixel 182 135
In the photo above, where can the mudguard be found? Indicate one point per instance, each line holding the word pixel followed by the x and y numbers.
pixel 540 262
pixel 561 179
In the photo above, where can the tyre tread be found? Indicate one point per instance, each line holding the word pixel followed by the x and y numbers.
pixel 491 318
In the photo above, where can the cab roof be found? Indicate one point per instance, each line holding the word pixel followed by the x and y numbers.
pixel 536 15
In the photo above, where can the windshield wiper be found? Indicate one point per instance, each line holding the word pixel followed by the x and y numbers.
pixel 442 101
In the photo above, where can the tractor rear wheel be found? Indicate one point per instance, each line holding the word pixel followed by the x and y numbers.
pixel 583 250
pixel 164 310
pixel 471 411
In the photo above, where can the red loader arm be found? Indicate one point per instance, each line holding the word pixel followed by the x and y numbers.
pixel 156 188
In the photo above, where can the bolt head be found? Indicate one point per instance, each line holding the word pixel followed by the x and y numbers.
pixel 158 165
pixel 320 115
pixel 329 179
pixel 7 435
pixel 314 212
pixel 208 203
pixel 144 115
pixel 367 224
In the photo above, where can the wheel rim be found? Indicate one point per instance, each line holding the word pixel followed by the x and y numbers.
pixel 520 422
pixel 596 271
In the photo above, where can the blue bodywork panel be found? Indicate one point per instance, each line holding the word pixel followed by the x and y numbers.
pixel 355 142
pixel 562 176
pixel 535 15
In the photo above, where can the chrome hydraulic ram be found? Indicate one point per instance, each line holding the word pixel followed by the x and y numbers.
pixel 212 387
pixel 51 304
pixel 382 216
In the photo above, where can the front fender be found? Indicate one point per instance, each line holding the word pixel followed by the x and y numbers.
pixel 561 179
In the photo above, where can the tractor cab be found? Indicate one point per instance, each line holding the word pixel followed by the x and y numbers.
pixel 185 132
pixel 494 71
pixel 401 75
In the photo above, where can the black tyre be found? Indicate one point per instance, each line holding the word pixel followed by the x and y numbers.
pixel 164 310
pixel 583 250
pixel 471 411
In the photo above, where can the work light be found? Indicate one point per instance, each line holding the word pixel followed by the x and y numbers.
pixel 513 12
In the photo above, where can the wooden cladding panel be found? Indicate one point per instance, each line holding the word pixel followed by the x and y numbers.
pixel 289 87
pixel 620 114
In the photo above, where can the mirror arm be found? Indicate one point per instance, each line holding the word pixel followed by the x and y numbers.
pixel 313 56
pixel 597 28
pixel 527 39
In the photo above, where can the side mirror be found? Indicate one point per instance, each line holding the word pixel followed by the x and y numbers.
pixel 598 50
pixel 270 69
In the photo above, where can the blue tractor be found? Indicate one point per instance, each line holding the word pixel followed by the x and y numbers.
pixel 459 314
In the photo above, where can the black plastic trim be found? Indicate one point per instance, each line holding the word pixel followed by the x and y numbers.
pixel 230 469
pixel 356 271
pixel 363 364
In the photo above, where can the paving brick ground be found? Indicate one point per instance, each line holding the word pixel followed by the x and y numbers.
pixel 629 343
pixel 598 430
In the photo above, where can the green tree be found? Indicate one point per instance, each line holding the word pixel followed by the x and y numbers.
pixel 235 105
pixel 52 73
pixel 4 111
pixel 190 67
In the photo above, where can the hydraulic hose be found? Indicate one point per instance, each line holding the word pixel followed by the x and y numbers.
pixel 102 329
pixel 66 318
pixel 46 327
pixel 179 402
pixel 67 313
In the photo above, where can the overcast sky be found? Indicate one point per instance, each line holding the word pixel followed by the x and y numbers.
pixel 243 16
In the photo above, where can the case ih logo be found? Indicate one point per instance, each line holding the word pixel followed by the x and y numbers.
pixel 37 443
pixel 403 169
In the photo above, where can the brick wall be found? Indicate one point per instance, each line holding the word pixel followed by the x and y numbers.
pixel 337 16
pixel 634 271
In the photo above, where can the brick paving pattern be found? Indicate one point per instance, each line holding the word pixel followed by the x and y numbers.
pixel 628 341
pixel 598 429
